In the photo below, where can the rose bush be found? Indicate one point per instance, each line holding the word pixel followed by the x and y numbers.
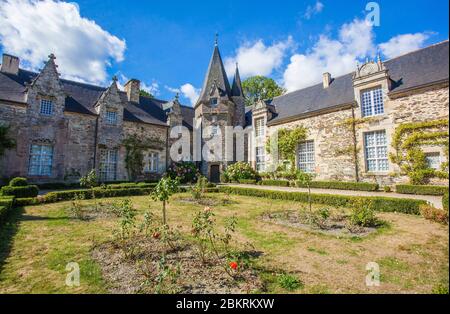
pixel 240 171
pixel 185 172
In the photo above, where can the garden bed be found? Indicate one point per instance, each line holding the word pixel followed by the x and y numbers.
pixel 141 273
pixel 335 225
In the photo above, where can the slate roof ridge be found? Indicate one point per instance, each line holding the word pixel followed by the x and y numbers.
pixel 385 61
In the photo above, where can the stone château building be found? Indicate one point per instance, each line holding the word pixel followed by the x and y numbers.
pixel 63 129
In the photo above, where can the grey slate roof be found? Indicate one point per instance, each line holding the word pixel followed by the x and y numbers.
pixel 215 75
pixel 236 89
pixel 81 98
pixel 425 66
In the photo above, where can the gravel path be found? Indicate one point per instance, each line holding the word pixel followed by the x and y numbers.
pixel 436 201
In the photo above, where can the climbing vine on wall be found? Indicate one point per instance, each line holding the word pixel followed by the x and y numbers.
pixel 288 140
pixel 407 142
pixel 352 150
pixel 135 147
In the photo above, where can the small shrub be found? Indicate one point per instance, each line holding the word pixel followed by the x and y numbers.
pixel 240 171
pixel 387 189
pixel 184 172
pixel 434 214
pixel 76 208
pixel 363 214
pixel 18 182
pixel 199 188
pixel 445 201
pixel 20 191
pixel 289 282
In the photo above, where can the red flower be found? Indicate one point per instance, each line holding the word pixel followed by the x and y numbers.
pixel 156 235
pixel 234 265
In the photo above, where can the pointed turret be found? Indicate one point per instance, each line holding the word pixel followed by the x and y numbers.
pixel 237 95
pixel 216 77
pixel 237 90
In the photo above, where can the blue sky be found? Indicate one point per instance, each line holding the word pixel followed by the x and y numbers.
pixel 167 44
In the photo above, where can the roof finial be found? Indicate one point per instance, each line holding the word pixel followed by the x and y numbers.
pixel 115 79
pixel 216 42
pixel 378 58
pixel 52 56
pixel 177 96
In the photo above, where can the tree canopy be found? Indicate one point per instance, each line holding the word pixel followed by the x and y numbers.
pixel 260 87
pixel 145 93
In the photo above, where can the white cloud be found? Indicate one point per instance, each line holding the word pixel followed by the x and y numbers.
pixel 258 59
pixel 402 44
pixel 188 91
pixel 312 10
pixel 152 88
pixel 33 29
pixel 337 56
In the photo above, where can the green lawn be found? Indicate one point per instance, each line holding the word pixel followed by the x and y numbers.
pixel 39 241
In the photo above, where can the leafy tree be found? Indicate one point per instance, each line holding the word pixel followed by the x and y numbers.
pixel 5 141
pixel 144 93
pixel 163 191
pixel 260 87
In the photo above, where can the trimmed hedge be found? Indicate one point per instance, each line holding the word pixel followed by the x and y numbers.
pixel 131 185
pixel 247 181
pixel 20 202
pixel 421 189
pixel 20 191
pixel 275 182
pixel 18 182
pixel 339 185
pixel 6 204
pixel 445 201
pixel 382 204
pixel 54 197
pixel 57 186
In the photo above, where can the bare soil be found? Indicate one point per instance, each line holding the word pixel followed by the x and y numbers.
pixel 139 273
pixel 336 225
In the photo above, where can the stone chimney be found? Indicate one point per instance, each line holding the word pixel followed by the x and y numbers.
pixel 133 88
pixel 10 64
pixel 326 80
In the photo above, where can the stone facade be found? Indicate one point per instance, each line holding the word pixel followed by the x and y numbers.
pixel 334 131
pixel 87 125
pixel 77 141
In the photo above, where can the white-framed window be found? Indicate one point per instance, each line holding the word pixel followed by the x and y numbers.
pixel 433 160
pixel 372 102
pixel 376 151
pixel 111 117
pixel 260 159
pixel 306 158
pixel 213 102
pixel 46 107
pixel 41 160
pixel 108 164
pixel 151 162
pixel 259 127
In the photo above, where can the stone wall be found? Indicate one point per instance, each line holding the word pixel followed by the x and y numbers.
pixel 330 137
pixel 420 105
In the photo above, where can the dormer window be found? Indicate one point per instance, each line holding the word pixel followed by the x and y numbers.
pixel 372 102
pixel 111 117
pixel 213 102
pixel 46 108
